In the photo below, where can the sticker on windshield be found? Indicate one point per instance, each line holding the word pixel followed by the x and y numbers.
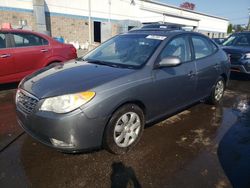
pixel 156 37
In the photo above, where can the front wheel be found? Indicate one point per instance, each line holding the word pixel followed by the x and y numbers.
pixel 217 92
pixel 124 129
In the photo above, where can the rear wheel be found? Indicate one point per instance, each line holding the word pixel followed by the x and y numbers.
pixel 217 92
pixel 124 129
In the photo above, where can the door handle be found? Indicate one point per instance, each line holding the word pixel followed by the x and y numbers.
pixel 216 66
pixel 191 74
pixel 4 55
pixel 44 50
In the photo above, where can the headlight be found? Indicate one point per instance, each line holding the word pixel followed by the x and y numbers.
pixel 247 56
pixel 66 103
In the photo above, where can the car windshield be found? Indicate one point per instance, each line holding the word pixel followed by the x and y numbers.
pixel 238 40
pixel 129 51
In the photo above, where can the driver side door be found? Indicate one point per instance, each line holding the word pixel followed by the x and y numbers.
pixel 174 87
pixel 6 59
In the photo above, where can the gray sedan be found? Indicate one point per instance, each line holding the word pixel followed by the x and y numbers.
pixel 105 98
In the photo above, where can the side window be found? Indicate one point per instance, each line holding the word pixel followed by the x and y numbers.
pixel 2 41
pixel 202 47
pixel 178 47
pixel 44 41
pixel 214 47
pixel 23 40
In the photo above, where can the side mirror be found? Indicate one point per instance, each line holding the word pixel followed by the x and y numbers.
pixel 170 61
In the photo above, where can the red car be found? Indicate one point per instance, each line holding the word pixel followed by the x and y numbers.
pixel 23 52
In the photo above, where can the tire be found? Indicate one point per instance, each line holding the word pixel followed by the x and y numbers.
pixel 124 129
pixel 217 92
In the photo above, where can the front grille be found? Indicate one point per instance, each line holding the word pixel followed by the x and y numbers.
pixel 235 57
pixel 247 67
pixel 25 101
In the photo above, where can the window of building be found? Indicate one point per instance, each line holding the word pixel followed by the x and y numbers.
pixel 23 40
pixel 130 27
pixel 97 31
pixel 2 41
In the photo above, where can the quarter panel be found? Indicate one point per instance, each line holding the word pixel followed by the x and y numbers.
pixel 208 71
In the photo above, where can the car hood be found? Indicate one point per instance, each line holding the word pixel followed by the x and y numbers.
pixel 235 49
pixel 70 77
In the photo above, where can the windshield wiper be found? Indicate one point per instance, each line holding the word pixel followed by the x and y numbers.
pixel 106 63
pixel 99 62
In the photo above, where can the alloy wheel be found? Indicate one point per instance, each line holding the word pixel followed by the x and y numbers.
pixel 219 90
pixel 127 129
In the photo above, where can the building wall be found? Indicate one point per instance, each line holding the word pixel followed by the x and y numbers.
pixel 204 22
pixel 21 4
pixel 69 19
pixel 71 29
pixel 15 16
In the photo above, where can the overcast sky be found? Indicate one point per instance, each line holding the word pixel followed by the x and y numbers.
pixel 234 10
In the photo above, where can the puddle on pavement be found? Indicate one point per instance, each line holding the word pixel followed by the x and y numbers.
pixel 9 129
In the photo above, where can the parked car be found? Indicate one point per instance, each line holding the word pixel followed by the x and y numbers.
pixel 23 52
pixel 106 97
pixel 219 41
pixel 237 46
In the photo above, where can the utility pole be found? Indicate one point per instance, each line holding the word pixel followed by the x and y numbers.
pixel 90 24
pixel 110 26
pixel 109 10
pixel 248 26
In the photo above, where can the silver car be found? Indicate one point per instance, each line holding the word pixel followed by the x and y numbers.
pixel 105 98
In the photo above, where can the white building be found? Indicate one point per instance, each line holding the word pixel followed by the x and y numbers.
pixel 108 17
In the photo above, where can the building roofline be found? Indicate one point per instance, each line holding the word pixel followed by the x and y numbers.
pixel 183 17
pixel 195 12
pixel 172 15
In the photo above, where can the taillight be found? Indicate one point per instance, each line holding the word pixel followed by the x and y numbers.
pixel 73 50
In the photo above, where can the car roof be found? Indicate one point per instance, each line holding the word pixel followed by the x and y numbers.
pixel 163 26
pixel 160 31
pixel 16 30
pixel 24 31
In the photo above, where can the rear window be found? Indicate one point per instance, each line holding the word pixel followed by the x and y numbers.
pixel 2 41
pixel 23 40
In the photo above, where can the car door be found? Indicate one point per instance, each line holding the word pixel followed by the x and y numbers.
pixel 174 87
pixel 6 57
pixel 207 64
pixel 30 52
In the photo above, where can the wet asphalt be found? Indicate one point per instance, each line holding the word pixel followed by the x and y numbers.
pixel 203 146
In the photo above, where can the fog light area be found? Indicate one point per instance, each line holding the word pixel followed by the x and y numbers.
pixel 59 143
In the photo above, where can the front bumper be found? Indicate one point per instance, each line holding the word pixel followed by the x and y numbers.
pixel 74 128
pixel 240 68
